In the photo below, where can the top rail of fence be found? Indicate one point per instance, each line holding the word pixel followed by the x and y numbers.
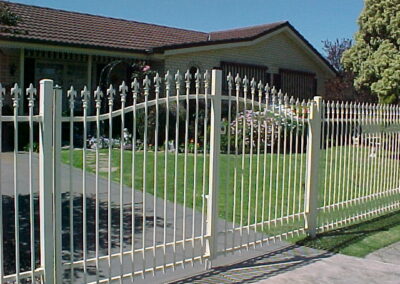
pixel 243 90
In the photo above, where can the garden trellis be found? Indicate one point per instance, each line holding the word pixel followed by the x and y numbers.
pixel 199 175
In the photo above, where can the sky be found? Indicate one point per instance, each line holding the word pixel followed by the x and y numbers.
pixel 316 20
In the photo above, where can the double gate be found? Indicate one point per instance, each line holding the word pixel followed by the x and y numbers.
pixel 169 172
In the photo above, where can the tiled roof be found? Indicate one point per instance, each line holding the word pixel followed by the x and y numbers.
pixel 242 33
pixel 71 28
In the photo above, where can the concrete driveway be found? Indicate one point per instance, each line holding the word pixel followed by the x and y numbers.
pixel 153 213
pixel 146 237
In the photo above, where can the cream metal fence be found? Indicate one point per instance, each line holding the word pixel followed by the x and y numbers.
pixel 202 174
pixel 360 164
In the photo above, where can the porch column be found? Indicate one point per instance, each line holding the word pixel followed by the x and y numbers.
pixel 89 72
pixel 271 79
pixel 22 79
pixel 89 79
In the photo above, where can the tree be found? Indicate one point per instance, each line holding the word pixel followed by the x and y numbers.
pixel 341 87
pixel 7 17
pixel 375 57
pixel 334 51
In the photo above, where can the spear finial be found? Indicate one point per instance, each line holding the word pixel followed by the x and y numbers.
pixel 31 92
pixel 188 77
pixel 85 95
pixel 168 80
pixel 98 94
pixel 229 79
pixel 157 81
pixel 197 76
pixel 15 92
pixel 135 88
pixel 111 94
pixel 245 83
pixel 238 81
pixel 123 89
pixel 146 84
pixel 71 94
pixel 253 85
pixel 207 79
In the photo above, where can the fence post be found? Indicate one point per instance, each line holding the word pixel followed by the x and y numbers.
pixel 313 153
pixel 212 201
pixel 57 124
pixel 46 180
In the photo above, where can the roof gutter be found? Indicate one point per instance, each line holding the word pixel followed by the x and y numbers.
pixel 69 47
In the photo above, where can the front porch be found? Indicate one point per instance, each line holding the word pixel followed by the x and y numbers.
pixel 66 67
pixel 29 65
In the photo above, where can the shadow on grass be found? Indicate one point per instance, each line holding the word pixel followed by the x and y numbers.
pixel 355 235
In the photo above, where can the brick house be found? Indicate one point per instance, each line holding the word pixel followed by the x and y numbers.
pixel 78 48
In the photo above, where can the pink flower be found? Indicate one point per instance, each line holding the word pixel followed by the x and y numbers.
pixel 146 68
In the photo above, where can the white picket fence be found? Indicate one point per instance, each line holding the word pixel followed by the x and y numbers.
pixel 202 174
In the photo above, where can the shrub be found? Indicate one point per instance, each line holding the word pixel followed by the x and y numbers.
pixel 273 129
pixel 35 147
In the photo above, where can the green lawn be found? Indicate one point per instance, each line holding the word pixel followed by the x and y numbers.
pixel 276 196
pixel 284 189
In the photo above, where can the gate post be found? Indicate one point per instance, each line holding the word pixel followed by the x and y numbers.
pixel 46 180
pixel 57 124
pixel 313 153
pixel 215 133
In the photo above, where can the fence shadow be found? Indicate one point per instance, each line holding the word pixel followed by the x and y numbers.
pixel 261 267
pixel 339 239
pixel 9 240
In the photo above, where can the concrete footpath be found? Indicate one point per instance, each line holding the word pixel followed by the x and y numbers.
pixel 294 264
pixel 389 254
pixel 340 268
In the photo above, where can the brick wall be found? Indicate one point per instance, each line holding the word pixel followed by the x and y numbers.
pixel 277 52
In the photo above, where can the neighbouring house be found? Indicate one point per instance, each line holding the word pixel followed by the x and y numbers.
pixel 82 49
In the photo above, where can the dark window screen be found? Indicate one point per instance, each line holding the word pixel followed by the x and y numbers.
pixel 258 72
pixel 302 85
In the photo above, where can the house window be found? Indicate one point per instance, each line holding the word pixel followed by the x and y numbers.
pixel 258 72
pixel 302 85
pixel 64 74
